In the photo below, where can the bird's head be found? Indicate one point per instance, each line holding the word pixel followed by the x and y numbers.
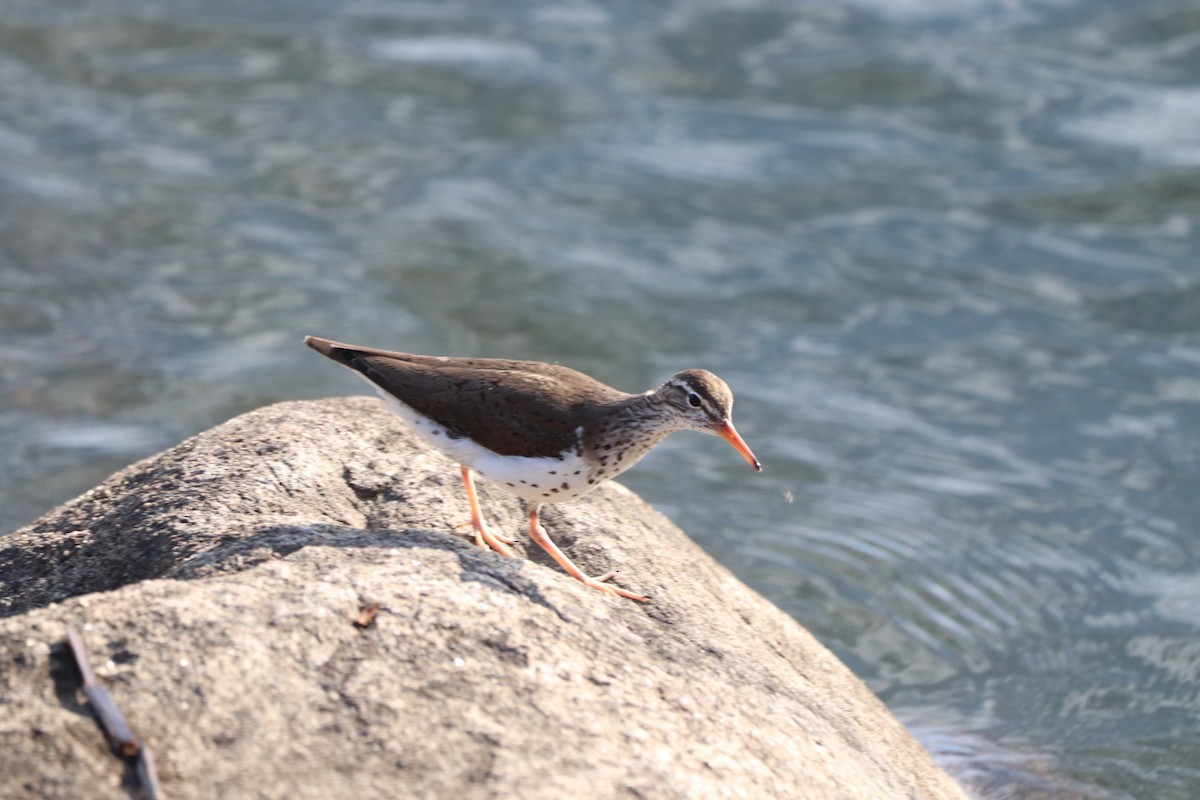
pixel 700 401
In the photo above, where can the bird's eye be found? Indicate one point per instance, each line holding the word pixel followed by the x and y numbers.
pixel 694 400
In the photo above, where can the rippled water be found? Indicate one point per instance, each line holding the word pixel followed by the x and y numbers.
pixel 945 252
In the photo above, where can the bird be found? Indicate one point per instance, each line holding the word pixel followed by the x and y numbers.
pixel 544 432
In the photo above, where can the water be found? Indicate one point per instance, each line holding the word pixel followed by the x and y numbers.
pixel 945 253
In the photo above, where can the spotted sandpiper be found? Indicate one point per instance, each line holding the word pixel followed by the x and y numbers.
pixel 544 432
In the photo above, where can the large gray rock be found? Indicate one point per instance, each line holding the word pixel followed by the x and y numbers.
pixel 217 584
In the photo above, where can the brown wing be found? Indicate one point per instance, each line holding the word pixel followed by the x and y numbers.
pixel 522 408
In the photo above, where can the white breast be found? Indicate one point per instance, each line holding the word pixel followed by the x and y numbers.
pixel 538 480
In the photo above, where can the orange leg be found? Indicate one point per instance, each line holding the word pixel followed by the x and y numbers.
pixel 539 535
pixel 484 536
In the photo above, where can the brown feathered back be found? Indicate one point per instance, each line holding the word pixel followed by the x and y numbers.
pixel 518 408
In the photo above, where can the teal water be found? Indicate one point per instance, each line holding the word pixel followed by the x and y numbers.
pixel 945 252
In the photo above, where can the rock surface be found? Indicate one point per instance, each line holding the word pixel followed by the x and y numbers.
pixel 217 583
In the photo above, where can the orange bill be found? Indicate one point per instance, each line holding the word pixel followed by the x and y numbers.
pixel 727 432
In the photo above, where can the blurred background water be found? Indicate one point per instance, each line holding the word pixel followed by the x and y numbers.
pixel 945 251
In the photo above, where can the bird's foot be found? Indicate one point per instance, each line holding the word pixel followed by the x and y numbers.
pixel 503 538
pixel 484 536
pixel 539 535
pixel 600 585
pixel 494 533
pixel 487 538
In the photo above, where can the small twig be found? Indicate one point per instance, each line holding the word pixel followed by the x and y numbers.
pixel 110 716
pixel 366 615
pixel 115 727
